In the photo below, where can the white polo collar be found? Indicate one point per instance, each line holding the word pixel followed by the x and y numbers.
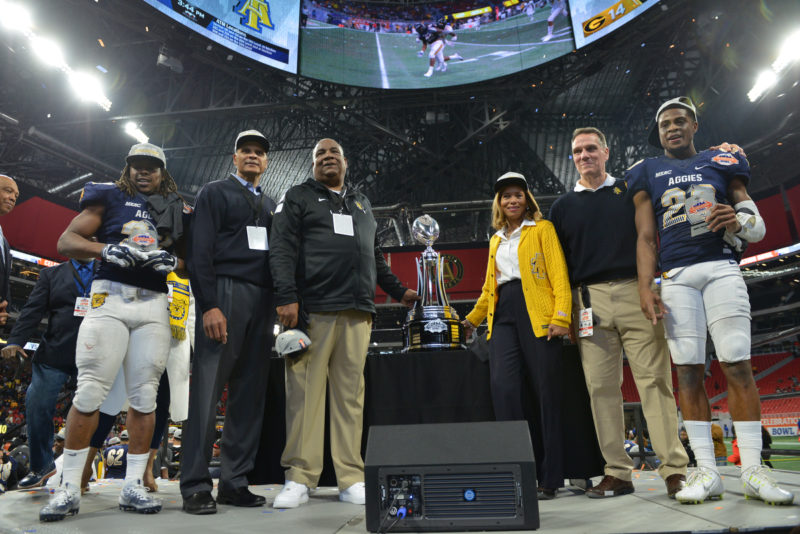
pixel 609 182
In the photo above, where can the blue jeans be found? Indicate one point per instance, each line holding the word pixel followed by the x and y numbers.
pixel 40 405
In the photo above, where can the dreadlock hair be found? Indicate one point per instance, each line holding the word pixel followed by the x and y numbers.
pixel 166 186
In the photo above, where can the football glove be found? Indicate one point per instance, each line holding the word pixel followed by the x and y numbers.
pixel 123 255
pixel 160 261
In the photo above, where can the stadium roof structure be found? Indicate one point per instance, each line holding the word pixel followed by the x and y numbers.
pixel 409 150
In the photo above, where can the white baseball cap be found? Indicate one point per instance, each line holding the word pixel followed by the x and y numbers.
pixel 251 135
pixel 680 102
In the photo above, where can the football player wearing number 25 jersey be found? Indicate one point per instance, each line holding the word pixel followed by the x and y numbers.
pixel 698 207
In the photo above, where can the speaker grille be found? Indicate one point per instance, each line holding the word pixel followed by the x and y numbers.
pixel 495 495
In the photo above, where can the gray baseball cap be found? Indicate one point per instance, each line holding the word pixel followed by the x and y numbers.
pixel 147 150
pixel 292 342
pixel 251 135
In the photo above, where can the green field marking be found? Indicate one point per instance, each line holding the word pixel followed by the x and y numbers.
pixel 497 49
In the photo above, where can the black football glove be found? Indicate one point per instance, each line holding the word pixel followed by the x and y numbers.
pixel 160 261
pixel 123 255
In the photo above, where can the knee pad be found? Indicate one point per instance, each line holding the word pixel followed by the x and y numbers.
pixel 142 397
pixel 731 336
pixel 89 396
pixel 687 350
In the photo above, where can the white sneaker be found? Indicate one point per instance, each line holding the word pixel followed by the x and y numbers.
pixel 354 494
pixel 758 484
pixel 429 73
pixel 547 37
pixel 703 483
pixel 291 496
pixel 456 56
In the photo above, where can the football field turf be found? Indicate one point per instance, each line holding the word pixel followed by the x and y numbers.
pixel 390 60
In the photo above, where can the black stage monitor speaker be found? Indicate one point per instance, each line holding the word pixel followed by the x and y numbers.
pixel 451 477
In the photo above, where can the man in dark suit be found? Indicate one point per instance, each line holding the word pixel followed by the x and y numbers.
pixel 9 192
pixel 61 295
pixel 229 270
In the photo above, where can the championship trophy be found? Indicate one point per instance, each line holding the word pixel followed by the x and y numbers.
pixel 142 235
pixel 432 324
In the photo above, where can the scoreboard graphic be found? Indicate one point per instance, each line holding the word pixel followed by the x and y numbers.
pixel 264 30
pixel 593 19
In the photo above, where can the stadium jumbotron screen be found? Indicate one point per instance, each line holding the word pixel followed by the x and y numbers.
pixel 429 44
pixel 593 19
pixel 263 30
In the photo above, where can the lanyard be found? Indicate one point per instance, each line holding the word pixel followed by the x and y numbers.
pixel 337 201
pixel 248 196
pixel 84 288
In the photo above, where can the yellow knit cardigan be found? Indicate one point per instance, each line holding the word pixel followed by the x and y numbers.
pixel 544 277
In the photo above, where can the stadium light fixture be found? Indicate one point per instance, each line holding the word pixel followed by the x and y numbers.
pixel 764 82
pixel 15 17
pixel 48 51
pixel 132 129
pixel 790 52
pixel 89 89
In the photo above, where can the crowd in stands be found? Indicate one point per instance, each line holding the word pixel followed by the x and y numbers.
pixel 382 17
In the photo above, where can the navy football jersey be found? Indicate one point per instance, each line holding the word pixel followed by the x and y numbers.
pixel 120 209
pixel 683 191
pixel 116 460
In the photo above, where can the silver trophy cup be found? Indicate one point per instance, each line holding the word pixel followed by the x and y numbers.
pixel 432 324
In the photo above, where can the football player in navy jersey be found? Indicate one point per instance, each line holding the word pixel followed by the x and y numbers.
pixel 127 323
pixel 698 207
pixel 437 37
pixel 115 458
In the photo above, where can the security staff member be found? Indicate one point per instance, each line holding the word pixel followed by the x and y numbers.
pixel 325 256
pixel 62 295
pixel 229 272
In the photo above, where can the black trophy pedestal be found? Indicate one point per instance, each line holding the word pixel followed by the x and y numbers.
pixel 432 328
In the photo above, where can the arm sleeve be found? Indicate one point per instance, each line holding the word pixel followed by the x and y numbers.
pixel 202 243
pixel 559 278
pixel 478 313
pixel 34 310
pixel 285 244
pixel 386 278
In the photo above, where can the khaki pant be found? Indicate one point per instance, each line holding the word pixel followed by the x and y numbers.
pixel 339 342
pixel 620 325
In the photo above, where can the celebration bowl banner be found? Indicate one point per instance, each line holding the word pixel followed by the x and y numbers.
pixel 264 30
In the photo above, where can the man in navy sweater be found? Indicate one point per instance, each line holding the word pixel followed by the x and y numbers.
pixel 602 267
pixel 229 271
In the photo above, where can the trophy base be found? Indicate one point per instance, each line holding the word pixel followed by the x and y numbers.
pixel 433 328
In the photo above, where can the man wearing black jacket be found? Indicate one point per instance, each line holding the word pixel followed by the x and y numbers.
pixel 325 257
pixel 61 295
pixel 9 192
pixel 229 271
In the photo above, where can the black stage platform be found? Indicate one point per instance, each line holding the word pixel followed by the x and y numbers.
pixel 646 510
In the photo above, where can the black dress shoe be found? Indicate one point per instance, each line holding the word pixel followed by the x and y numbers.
pixel 545 494
pixel 240 497
pixel 200 503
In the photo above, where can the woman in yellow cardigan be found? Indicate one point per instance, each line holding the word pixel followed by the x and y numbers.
pixel 527 300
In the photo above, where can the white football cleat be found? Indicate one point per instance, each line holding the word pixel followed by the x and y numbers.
pixel 758 484
pixel 429 73
pixel 703 483
pixel 456 56
pixel 547 37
